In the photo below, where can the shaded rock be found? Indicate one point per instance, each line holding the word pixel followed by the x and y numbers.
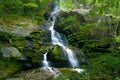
pixel 47 15
pixel 45 25
pixel 11 52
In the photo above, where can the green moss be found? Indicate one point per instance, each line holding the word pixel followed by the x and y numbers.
pixel 5 36
pixel 18 42
pixel 36 47
pixel 58 53
pixel 117 39
pixel 103 66
pixel 8 67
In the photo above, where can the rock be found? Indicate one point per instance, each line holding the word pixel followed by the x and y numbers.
pixel 37 44
pixel 11 52
pixel 36 74
pixel 78 70
pixel 50 71
pixel 57 56
pixel 20 29
pixel 47 15
pixel 82 11
pixel 45 25
pixel 69 22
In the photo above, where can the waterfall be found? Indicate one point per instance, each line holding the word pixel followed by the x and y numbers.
pixel 47 68
pixel 45 62
pixel 57 39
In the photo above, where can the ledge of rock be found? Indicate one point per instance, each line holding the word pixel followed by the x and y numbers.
pixel 11 52
pixel 20 28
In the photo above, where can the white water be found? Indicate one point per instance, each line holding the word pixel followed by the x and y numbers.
pixel 46 66
pixel 57 39
pixel 45 62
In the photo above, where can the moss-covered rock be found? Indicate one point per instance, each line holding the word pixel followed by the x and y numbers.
pixel 69 22
pixel 37 45
pixel 57 57
pixel 58 53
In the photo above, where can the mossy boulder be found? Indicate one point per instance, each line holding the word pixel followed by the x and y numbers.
pixel 58 53
pixel 37 45
pixel 69 22
pixel 57 56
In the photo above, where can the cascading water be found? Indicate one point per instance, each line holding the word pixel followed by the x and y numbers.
pixel 46 66
pixel 45 62
pixel 57 39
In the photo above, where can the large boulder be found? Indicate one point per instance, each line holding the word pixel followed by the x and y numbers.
pixel 11 52
pixel 37 44
pixel 57 56
pixel 18 27
pixel 69 22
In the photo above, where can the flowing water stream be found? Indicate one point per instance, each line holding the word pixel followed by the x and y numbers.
pixel 61 40
pixel 58 39
pixel 47 67
pixel 45 62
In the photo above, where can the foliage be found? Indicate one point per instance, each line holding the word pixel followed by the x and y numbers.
pixel 68 74
pixel 8 67
pixel 117 39
pixel 105 6
pixel 104 66
pixel 11 6
pixel 34 9
pixel 67 5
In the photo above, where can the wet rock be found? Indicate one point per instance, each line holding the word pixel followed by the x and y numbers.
pixel 47 15
pixel 45 25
